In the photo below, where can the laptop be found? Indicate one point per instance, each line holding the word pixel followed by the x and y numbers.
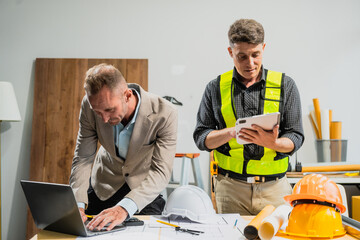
pixel 54 208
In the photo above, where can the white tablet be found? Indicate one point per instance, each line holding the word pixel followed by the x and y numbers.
pixel 266 121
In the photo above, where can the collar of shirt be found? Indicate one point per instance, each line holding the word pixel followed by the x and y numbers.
pixel 238 77
pixel 123 133
pixel 137 108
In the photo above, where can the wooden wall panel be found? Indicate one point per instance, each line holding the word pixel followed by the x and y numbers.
pixel 58 91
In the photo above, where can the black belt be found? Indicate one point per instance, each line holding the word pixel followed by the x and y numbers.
pixel 250 179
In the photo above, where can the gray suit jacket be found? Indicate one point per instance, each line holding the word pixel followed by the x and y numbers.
pixel 149 160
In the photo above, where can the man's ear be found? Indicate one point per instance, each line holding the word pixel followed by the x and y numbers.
pixel 127 94
pixel 230 51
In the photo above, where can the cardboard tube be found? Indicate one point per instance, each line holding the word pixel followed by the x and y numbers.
pixel 335 134
pixel 317 115
pixel 332 168
pixel 335 130
pixel 330 116
pixel 251 230
pixel 312 113
pixel 314 126
pixel 271 224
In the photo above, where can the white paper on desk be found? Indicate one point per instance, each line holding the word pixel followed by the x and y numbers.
pixel 222 230
pixel 179 221
pixel 124 235
pixel 154 224
pixel 230 230
pixel 215 219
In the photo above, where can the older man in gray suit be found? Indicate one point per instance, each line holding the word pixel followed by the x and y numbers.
pixel 137 132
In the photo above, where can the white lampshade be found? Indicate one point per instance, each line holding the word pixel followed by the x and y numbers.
pixel 9 110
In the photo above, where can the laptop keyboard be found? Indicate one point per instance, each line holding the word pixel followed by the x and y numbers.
pixel 116 228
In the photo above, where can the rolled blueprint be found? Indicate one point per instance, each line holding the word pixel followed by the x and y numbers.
pixel 332 168
pixel 251 230
pixel 311 116
pixel 325 124
pixel 271 224
pixel 317 115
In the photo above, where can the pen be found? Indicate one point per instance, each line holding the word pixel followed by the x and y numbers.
pixel 89 216
pixel 224 220
pixel 235 223
pixel 173 225
pixel 178 228
pixel 188 230
pixel 240 231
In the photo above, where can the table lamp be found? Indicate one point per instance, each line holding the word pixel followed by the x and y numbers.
pixel 9 112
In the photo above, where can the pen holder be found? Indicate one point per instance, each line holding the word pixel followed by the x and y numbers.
pixel 333 150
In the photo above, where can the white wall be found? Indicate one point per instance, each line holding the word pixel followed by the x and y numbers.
pixel 315 42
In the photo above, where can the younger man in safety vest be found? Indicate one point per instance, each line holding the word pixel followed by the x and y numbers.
pixel 250 176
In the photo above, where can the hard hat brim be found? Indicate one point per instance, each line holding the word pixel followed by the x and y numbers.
pixel 293 197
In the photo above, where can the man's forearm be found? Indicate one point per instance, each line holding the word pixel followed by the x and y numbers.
pixel 217 138
pixel 283 145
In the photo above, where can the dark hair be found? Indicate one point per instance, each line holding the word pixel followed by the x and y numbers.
pixel 101 75
pixel 246 30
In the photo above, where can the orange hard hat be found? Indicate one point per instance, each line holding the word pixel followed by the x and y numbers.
pixel 317 187
pixel 315 221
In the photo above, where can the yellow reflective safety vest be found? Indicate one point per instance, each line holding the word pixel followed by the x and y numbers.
pixel 235 162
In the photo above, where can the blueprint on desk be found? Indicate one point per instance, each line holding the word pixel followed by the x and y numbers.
pixel 223 227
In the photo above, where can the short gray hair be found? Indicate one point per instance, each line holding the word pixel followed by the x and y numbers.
pixel 101 75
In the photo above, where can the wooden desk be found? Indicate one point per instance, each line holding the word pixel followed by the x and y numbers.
pixel 48 235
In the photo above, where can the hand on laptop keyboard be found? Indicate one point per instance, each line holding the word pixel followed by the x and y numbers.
pixel 104 229
pixel 109 217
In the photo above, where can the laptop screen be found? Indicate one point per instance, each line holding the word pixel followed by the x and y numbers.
pixel 53 207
